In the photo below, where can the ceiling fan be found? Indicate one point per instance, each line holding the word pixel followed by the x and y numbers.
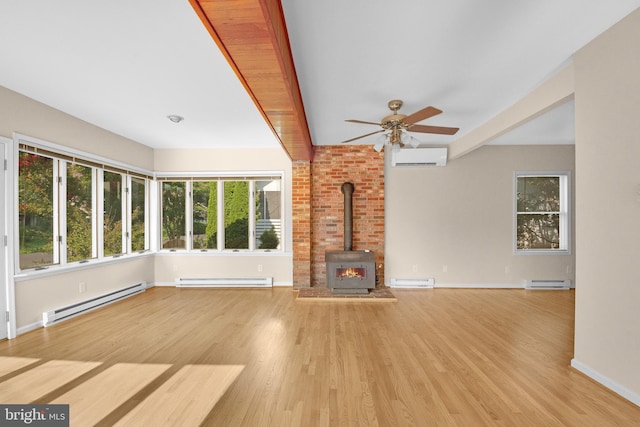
pixel 396 125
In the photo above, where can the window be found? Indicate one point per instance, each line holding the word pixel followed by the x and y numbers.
pixel 35 210
pixel 268 205
pixel 73 209
pixel 221 213
pixel 139 240
pixel 80 207
pixel 173 215
pixel 112 214
pixel 542 212
pixel 236 215
pixel 205 215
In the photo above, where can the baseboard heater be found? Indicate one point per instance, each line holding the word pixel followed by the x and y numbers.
pixel 547 284
pixel 412 283
pixel 63 313
pixel 225 282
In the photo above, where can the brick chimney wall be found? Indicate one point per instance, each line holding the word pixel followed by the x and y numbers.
pixel 301 217
pixel 331 167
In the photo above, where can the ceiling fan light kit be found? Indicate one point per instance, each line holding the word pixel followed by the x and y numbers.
pixel 395 126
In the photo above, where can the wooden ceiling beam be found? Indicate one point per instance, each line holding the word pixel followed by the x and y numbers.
pixel 252 36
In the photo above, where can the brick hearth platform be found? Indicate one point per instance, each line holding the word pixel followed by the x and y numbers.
pixel 379 294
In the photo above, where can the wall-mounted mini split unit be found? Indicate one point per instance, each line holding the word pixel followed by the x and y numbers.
pixel 547 284
pixel 419 157
pixel 412 283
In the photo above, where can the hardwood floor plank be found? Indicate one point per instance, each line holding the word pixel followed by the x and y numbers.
pixel 43 379
pixel 441 357
pixel 94 399
pixel 185 399
pixel 12 364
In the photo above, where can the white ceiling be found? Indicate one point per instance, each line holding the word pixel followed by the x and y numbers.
pixel 126 65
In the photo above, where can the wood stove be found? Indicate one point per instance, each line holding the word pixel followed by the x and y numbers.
pixel 349 271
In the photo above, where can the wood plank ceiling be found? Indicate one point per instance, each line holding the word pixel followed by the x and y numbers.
pixel 252 35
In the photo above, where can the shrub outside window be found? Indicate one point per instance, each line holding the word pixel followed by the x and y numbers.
pixel 80 207
pixel 174 215
pixel 205 215
pixel 35 211
pixel 236 215
pixel 113 231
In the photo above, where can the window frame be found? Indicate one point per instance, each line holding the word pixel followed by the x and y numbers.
pixel 252 177
pixel 564 228
pixel 186 212
pixel 63 167
pixel 254 215
pixel 124 215
pixel 63 157
pixel 146 217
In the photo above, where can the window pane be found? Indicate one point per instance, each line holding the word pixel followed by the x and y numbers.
pixel 79 212
pixel 137 214
pixel 236 215
pixel 173 215
pixel 538 231
pixel 268 214
pixel 539 194
pixel 112 213
pixel 35 210
pixel 205 226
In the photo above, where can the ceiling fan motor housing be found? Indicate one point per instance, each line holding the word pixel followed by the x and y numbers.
pixel 393 121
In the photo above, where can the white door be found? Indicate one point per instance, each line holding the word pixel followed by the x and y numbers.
pixel 3 239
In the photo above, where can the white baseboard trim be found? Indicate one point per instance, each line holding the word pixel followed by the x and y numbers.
pixel 283 284
pixel 631 396
pixel 165 284
pixel 29 328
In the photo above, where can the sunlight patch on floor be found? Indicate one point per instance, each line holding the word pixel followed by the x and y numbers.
pixel 186 397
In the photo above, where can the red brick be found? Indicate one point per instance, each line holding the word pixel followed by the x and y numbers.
pixel 319 211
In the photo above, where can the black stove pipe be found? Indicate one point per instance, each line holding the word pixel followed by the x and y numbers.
pixel 347 190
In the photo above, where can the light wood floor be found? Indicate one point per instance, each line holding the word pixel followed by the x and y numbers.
pixel 443 357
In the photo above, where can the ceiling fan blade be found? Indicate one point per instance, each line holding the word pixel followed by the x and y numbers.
pixel 440 130
pixel 363 122
pixel 362 136
pixel 420 115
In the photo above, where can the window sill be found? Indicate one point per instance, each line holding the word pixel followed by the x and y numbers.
pixel 215 252
pixel 542 252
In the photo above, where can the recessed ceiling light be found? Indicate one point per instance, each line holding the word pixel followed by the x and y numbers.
pixel 175 118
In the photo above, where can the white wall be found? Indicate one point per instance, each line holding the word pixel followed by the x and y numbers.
pixel 170 266
pixel 24 115
pixel 36 295
pixel 607 102
pixel 455 223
